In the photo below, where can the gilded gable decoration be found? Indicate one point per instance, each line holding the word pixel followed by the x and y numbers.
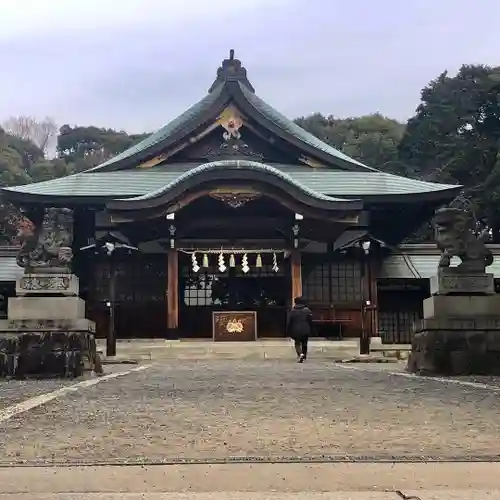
pixel 234 198
pixel 231 120
pixel 232 144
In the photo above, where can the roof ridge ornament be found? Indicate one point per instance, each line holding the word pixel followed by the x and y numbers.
pixel 231 70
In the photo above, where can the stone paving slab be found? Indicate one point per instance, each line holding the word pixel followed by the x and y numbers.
pixel 237 495
pixel 234 495
pixel 450 494
pixel 433 481
pixel 207 350
pixel 266 410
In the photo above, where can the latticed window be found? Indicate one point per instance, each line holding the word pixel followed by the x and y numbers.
pixel 316 283
pixel 396 327
pixel 345 281
pixel 138 279
pixel 260 287
pixel 332 282
pixel 198 288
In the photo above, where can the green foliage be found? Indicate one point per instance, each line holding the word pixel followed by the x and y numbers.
pixel 88 146
pixel 454 136
pixel 371 139
pixel 22 161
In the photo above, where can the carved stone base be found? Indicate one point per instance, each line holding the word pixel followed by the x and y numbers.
pixel 50 325
pixel 468 351
pixel 450 281
pixel 48 354
pixel 47 284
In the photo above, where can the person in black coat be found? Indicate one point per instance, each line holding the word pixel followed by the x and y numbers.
pixel 299 327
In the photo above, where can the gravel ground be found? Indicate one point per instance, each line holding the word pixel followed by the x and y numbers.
pixel 15 391
pixel 220 409
pixel 491 381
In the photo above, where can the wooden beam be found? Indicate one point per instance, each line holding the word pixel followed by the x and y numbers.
pixel 296 273
pixel 172 290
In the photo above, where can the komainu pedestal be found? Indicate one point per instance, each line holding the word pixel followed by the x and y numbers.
pixel 46 333
pixel 460 331
pixel 454 346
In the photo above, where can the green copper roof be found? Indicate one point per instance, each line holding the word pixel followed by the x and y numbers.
pixel 125 183
pixel 293 129
pixel 343 176
pixel 168 130
pixel 239 165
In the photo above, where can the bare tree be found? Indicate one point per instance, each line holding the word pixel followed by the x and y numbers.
pixel 41 133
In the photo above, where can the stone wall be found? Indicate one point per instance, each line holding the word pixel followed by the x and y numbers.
pixel 48 354
pixel 471 351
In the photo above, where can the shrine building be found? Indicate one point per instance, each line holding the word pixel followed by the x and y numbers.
pixel 235 208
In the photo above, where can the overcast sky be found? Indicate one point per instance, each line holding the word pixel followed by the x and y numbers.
pixel 136 64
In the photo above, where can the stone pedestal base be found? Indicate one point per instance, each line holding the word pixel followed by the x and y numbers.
pixel 44 308
pixel 48 354
pixel 456 347
pixel 450 281
pixel 46 333
pixel 47 284
pixel 461 306
pixel 46 325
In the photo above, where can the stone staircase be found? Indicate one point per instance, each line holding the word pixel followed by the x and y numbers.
pixel 149 349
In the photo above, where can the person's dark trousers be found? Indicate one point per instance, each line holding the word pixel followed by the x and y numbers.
pixel 301 346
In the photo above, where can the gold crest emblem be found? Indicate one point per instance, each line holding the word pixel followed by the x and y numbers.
pixel 234 326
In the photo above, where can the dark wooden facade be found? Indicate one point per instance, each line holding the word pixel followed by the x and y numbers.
pixel 159 289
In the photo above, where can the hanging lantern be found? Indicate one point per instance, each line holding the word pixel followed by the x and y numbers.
pixel 194 263
pixel 222 265
pixel 275 263
pixel 232 261
pixel 258 261
pixel 244 264
pixel 205 260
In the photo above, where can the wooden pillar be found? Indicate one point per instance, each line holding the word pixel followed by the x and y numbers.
pixel 374 267
pixel 365 333
pixel 172 290
pixel 296 273
pixel 369 284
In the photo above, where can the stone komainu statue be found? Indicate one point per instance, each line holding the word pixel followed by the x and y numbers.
pixel 46 239
pixel 455 237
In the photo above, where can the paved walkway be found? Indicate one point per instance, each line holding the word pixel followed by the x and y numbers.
pixel 255 482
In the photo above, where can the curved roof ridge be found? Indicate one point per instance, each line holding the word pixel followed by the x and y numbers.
pixel 238 164
pixel 164 132
pixel 289 126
